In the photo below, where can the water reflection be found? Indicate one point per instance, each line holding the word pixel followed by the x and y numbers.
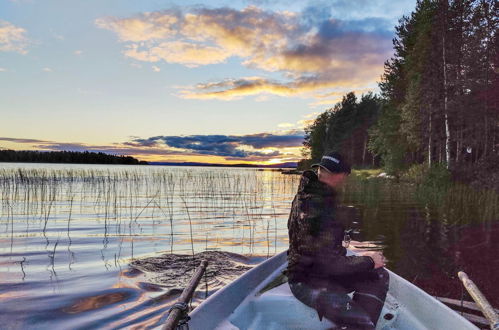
pixel 427 243
pixel 80 224
pixel 68 234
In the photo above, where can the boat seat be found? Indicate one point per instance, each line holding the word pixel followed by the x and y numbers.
pixel 278 309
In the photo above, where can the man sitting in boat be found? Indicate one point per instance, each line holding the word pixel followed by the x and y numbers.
pixel 320 274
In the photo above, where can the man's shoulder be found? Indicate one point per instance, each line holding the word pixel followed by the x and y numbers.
pixel 309 176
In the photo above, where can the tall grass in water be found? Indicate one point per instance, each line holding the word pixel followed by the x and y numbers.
pixel 462 204
pixel 194 209
pixel 458 203
pixel 455 203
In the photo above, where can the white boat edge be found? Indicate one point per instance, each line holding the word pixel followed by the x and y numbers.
pixel 416 308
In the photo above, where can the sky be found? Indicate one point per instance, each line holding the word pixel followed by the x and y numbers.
pixel 204 81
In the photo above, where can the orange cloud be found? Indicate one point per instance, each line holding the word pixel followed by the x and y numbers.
pixel 149 26
pixel 334 97
pixel 237 88
pixel 189 54
pixel 328 54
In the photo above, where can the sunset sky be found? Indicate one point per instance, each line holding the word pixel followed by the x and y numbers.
pixel 204 81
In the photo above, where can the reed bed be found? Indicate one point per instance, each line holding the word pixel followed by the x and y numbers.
pixel 196 209
pixel 452 203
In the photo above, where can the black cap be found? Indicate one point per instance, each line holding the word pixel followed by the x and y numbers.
pixel 333 162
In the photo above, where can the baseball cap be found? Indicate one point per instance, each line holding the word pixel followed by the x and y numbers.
pixel 333 162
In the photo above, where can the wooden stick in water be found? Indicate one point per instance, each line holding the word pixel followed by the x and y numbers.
pixel 466 304
pixel 176 312
pixel 480 300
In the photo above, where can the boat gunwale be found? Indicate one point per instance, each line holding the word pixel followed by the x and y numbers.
pixel 224 314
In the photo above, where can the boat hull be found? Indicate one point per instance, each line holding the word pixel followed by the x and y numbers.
pixel 240 306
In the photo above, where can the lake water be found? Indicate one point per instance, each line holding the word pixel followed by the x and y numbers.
pixel 69 233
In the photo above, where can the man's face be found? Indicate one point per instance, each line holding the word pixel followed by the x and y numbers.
pixel 334 180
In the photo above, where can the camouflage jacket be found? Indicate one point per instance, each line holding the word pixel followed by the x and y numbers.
pixel 315 235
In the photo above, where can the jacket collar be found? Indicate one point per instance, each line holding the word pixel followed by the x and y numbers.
pixel 310 183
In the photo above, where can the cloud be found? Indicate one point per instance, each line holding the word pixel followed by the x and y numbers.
pixel 188 54
pixel 367 8
pixel 3 69
pixel 12 38
pixel 252 147
pixel 236 88
pixel 235 146
pixel 331 98
pixel 148 26
pixel 286 125
pixel 311 50
pixel 233 89
pixel 16 140
pixel 266 140
pixel 115 148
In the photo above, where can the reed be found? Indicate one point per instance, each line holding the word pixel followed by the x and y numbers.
pixel 216 208
pixel 455 203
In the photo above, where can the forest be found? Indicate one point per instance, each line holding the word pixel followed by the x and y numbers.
pixel 28 156
pixel 438 104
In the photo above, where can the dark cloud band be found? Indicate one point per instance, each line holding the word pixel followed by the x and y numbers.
pixel 251 147
pixel 226 145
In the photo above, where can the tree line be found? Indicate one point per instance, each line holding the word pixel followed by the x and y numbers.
pixel 28 156
pixel 343 128
pixel 439 95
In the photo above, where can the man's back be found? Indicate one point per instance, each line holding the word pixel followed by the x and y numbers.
pixel 320 274
pixel 315 235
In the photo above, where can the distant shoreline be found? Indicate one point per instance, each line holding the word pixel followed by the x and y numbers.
pixel 100 158
pixel 66 157
pixel 274 166
pixel 280 165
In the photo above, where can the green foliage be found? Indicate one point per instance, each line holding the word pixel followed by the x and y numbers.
pixel 386 141
pixel 315 137
pixel 433 184
pixel 437 177
pixel 365 173
pixel 416 173
pixel 434 177
pixel 438 95
pixel 344 128
pixel 304 164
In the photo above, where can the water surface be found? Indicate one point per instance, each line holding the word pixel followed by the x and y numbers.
pixel 69 233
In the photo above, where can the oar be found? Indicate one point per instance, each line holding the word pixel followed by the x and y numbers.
pixel 480 300
pixel 179 309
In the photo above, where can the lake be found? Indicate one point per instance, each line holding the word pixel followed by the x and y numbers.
pixel 69 233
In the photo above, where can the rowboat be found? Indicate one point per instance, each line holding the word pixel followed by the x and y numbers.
pixel 247 303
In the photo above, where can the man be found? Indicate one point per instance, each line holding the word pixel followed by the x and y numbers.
pixel 320 274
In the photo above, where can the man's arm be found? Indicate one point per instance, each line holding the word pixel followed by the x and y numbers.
pixel 343 265
pixel 317 244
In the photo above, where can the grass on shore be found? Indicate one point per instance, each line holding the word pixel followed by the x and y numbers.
pixel 367 173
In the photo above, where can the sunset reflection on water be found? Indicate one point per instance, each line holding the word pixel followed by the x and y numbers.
pixel 68 234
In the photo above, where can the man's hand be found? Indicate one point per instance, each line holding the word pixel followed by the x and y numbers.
pixel 379 260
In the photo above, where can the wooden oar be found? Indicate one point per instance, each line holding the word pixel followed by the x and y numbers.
pixel 457 305
pixel 466 304
pixel 480 300
pixel 180 307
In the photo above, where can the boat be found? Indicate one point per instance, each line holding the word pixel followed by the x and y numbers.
pixel 254 301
